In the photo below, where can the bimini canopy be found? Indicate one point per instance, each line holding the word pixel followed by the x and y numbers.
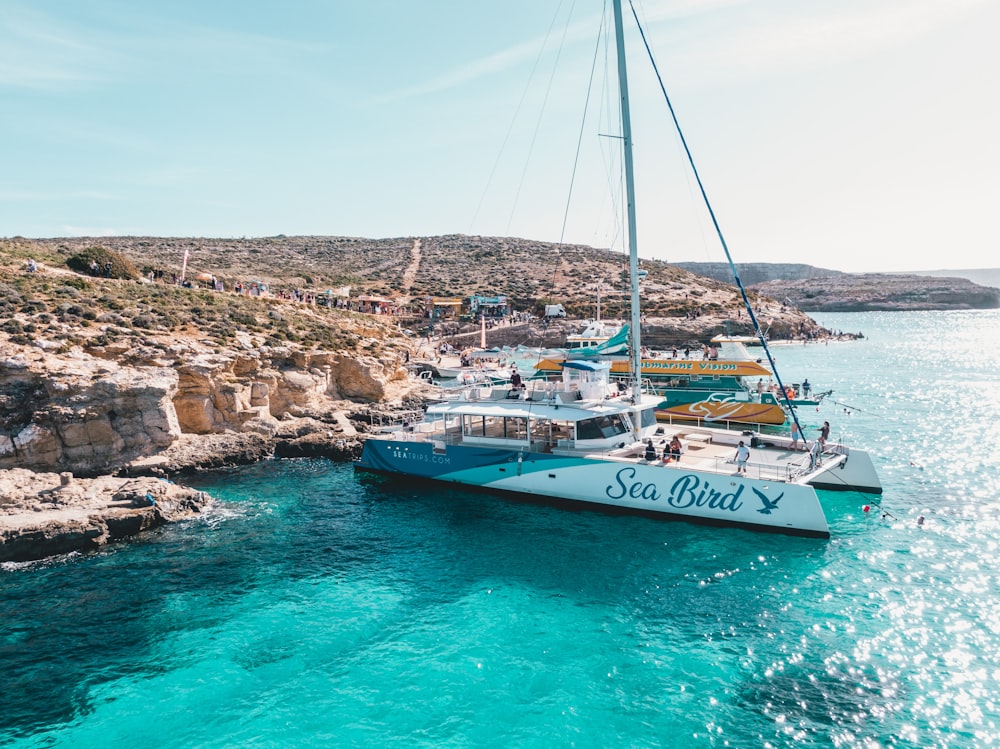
pixel 617 343
pixel 586 366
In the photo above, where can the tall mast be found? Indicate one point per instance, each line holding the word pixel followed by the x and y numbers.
pixel 633 253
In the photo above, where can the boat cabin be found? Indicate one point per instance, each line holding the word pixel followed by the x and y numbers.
pixel 583 411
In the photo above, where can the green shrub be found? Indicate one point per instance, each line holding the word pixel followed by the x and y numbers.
pixel 243 318
pixel 77 283
pixel 94 261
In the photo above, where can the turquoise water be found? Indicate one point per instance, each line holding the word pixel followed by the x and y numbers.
pixel 317 608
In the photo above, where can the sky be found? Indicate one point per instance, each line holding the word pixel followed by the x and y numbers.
pixel 856 135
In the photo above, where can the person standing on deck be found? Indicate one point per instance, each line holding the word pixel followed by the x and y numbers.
pixel 742 456
pixel 824 434
pixel 795 435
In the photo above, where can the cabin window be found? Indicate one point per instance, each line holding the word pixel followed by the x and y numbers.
pixel 601 427
pixel 515 427
pixel 647 417
pixel 474 426
pixel 542 431
pixel 507 427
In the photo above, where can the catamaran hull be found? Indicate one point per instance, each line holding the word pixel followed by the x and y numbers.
pixel 641 488
pixel 856 473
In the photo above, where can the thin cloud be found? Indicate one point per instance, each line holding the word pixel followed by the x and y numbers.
pixel 41 52
pixel 749 39
pixel 491 65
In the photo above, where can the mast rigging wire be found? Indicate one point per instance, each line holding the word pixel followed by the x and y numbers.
pixel 718 229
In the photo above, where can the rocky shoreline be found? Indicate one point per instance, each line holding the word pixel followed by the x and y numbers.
pixel 45 514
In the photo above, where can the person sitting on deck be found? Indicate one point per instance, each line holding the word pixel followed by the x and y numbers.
pixel 650 453
pixel 515 380
pixel 673 450
pixel 824 434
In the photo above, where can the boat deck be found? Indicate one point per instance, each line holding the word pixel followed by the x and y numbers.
pixel 703 450
pixel 715 452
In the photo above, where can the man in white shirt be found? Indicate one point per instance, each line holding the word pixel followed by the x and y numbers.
pixel 742 456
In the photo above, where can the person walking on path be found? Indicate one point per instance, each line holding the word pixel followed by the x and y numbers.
pixel 742 456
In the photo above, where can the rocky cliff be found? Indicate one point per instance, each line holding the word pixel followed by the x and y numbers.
pixel 77 413
pixel 88 415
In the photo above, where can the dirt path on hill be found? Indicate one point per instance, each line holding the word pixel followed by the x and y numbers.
pixel 410 274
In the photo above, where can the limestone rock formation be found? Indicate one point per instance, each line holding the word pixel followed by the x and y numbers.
pixel 43 514
pixel 74 412
pixel 252 392
pixel 89 414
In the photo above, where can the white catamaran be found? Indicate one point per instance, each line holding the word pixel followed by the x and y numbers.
pixel 585 439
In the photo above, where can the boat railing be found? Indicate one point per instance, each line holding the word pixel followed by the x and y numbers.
pixel 762 471
pixel 732 426
pixel 786 472
pixel 396 420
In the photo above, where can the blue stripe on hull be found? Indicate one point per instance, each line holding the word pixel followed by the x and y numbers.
pixel 420 458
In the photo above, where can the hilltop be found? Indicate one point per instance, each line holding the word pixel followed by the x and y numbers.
pixel 678 305
pixel 981 276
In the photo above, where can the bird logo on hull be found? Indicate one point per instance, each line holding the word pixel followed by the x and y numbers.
pixel 769 504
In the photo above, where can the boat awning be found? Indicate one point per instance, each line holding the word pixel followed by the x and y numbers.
pixel 702 367
pixel 617 342
pixel 587 366
pixel 678 367
pixel 527 410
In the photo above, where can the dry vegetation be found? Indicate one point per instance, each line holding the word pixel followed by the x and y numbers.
pixel 530 273
pixel 59 308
